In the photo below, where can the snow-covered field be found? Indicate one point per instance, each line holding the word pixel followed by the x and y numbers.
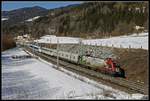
pixel 53 39
pixel 37 79
pixel 4 19
pixel 132 41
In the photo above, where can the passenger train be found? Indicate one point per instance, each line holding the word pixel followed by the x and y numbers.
pixel 107 66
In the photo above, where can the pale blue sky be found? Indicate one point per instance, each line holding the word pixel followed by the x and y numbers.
pixel 11 5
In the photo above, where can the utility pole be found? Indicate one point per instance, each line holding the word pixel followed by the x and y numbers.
pixel 95 50
pixel 81 48
pixel 24 22
pixel 32 39
pixel 57 53
pixel 23 27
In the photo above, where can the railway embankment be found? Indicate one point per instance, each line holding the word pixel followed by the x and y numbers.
pixel 134 61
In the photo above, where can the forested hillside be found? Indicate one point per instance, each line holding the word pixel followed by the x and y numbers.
pixel 88 20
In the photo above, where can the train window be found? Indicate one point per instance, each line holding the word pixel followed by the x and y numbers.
pixel 62 54
pixel 74 57
pixel 66 55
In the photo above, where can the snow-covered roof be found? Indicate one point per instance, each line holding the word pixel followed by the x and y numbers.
pixel 138 27
pixel 48 36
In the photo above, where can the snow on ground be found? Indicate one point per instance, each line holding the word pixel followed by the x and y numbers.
pixel 33 18
pixel 37 79
pixel 134 40
pixel 14 51
pixel 4 19
pixel 53 39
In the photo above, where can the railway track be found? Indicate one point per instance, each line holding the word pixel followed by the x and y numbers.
pixel 135 87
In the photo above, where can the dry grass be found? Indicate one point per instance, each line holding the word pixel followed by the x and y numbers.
pixel 7 42
pixel 135 63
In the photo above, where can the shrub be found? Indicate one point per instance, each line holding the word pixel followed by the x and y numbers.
pixel 7 42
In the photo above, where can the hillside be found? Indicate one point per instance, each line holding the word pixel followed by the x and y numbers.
pixel 18 15
pixel 87 20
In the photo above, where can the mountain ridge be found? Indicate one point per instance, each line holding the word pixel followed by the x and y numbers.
pixel 89 20
pixel 18 15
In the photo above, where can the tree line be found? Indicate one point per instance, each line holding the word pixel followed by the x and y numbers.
pixel 90 19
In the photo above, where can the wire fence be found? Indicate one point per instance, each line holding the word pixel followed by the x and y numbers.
pixel 129 46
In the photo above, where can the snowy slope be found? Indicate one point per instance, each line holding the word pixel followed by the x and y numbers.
pixel 53 39
pixel 4 19
pixel 33 18
pixel 133 41
pixel 14 51
pixel 38 79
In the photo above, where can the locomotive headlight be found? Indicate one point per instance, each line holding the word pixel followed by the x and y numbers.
pixel 117 69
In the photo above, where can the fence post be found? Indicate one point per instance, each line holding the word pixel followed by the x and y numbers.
pixel 112 46
pixel 129 46
pixel 57 53
pixel 96 47
pixel 120 46
pixel 141 47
